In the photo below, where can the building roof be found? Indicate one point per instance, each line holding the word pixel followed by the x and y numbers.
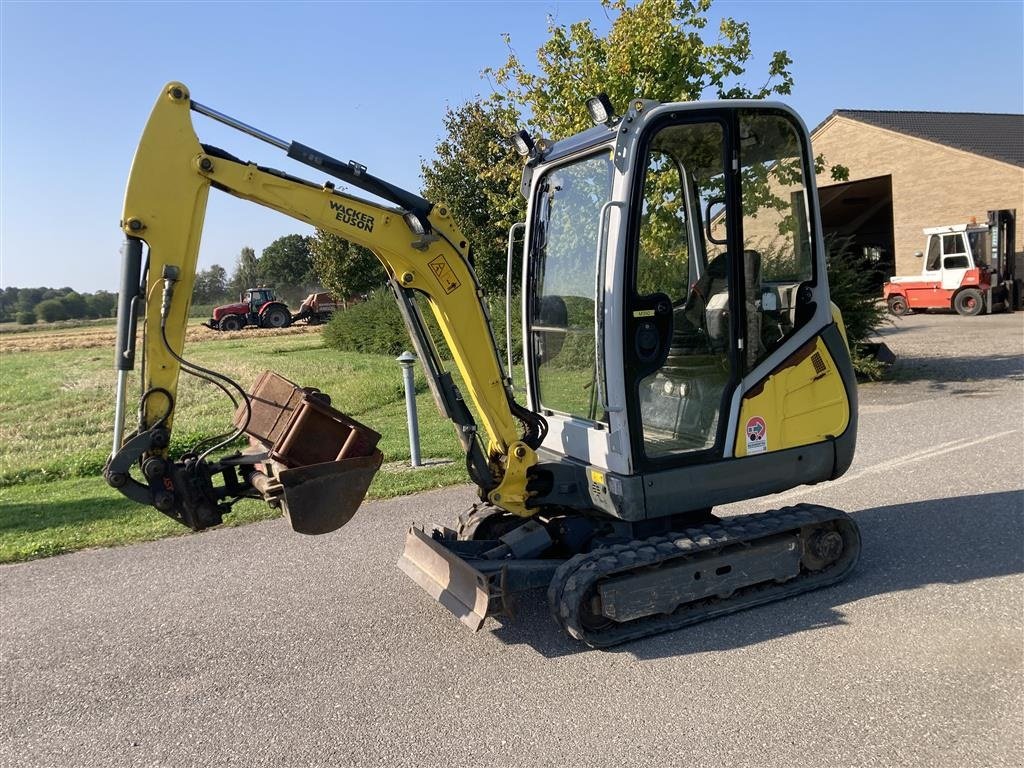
pixel 997 136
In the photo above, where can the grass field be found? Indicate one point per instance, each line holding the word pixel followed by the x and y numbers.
pixel 56 416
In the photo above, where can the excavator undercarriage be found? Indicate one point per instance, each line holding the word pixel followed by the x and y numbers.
pixel 620 589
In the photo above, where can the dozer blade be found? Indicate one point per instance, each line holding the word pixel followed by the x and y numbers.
pixel 447 578
pixel 321 498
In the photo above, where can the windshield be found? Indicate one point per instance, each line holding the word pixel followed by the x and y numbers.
pixel 980 244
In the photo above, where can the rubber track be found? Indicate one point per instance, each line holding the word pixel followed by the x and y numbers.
pixel 579 574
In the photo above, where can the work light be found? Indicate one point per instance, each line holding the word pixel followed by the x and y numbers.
pixel 524 144
pixel 601 110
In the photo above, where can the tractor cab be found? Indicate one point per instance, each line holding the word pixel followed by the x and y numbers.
pixel 256 298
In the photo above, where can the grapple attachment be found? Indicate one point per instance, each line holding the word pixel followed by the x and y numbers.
pixel 320 461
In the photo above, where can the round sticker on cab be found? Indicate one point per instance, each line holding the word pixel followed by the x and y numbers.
pixel 757 435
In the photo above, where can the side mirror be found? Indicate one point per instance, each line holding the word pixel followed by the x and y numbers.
pixel 918 254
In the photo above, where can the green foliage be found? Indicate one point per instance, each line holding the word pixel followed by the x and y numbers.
pixel 101 304
pixel 211 286
pixel 343 268
pixel 74 305
pixel 852 291
pixel 375 326
pixel 477 176
pixel 20 302
pixel 286 265
pixel 655 49
pixel 246 274
pixel 26 318
pixel 50 311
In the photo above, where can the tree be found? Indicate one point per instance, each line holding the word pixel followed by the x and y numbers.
pixel 28 298
pixel 9 302
pixel 101 303
pixel 211 285
pixel 74 305
pixel 50 311
pixel 247 272
pixel 286 265
pixel 655 49
pixel 343 268
pixel 478 177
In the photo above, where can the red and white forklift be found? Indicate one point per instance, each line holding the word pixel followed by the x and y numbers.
pixel 969 268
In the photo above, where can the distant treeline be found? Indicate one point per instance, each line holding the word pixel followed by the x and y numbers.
pixel 30 305
pixel 293 265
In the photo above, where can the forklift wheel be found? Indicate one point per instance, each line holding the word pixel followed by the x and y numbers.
pixel 968 302
pixel 898 305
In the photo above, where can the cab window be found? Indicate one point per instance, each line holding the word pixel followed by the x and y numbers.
pixel 934 253
pixel 562 332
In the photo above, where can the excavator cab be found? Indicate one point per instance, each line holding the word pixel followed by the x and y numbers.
pixel 681 256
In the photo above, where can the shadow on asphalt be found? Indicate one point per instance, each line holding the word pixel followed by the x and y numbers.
pixel 942 371
pixel 905 546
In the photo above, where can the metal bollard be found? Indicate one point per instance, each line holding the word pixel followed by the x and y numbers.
pixel 406 360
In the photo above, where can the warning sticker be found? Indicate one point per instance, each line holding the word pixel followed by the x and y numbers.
pixel 444 274
pixel 757 435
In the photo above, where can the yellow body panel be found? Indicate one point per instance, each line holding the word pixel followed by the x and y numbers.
pixel 802 402
pixel 165 205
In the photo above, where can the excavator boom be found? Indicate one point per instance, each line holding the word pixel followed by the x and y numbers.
pixel 420 247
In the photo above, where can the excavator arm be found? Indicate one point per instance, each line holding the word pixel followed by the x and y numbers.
pixel 420 247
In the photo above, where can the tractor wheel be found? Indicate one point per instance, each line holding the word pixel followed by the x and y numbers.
pixel 969 302
pixel 276 317
pixel 898 305
pixel 231 323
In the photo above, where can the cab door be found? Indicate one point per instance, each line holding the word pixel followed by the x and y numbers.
pixel 679 334
pixel 725 282
pixel 955 261
pixel 562 306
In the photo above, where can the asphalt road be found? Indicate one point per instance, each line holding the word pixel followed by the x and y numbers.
pixel 256 646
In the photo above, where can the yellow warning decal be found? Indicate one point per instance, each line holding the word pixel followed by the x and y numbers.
pixel 445 274
pixel 597 477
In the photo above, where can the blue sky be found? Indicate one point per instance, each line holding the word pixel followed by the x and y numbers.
pixel 370 81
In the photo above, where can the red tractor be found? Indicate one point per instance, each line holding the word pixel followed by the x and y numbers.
pixel 257 307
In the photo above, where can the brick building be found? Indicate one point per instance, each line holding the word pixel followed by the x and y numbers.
pixel 911 170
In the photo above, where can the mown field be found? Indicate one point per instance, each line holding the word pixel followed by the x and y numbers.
pixel 56 415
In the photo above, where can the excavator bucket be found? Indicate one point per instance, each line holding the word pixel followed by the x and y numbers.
pixel 447 578
pixel 320 461
pixel 321 498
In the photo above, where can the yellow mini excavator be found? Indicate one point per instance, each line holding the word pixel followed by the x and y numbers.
pixel 679 346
